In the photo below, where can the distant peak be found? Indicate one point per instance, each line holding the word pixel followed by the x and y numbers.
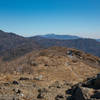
pixel 51 34
pixel 61 37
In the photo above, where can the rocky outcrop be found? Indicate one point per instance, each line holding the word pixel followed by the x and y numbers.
pixel 81 93
pixel 89 90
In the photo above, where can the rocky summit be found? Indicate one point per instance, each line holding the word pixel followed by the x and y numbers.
pixel 56 73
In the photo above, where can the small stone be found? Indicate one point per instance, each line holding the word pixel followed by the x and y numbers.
pixel 6 84
pixel 38 78
pixel 15 82
pixel 59 97
pixel 33 63
pixel 40 96
pixel 23 78
pixel 17 91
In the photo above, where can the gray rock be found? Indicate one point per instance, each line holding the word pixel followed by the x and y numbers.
pixel 38 78
pixel 23 78
pixel 17 91
pixel 15 82
pixel 81 93
pixel 59 97
pixel 96 95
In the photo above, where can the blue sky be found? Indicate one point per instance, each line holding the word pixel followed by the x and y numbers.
pixel 34 17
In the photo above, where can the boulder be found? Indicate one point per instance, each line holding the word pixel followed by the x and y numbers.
pixel 96 95
pixel 97 82
pixel 81 93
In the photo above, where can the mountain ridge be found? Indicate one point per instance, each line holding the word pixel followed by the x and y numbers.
pixel 60 37
pixel 12 45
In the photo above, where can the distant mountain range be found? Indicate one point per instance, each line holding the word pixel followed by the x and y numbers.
pixel 12 45
pixel 60 37
pixel 98 40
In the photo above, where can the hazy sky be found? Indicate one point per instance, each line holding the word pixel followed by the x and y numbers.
pixel 33 17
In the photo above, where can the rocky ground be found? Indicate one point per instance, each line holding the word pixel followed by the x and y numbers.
pixel 28 89
pixel 20 87
pixel 51 74
pixel 88 90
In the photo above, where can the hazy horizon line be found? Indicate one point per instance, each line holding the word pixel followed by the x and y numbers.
pixel 49 33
